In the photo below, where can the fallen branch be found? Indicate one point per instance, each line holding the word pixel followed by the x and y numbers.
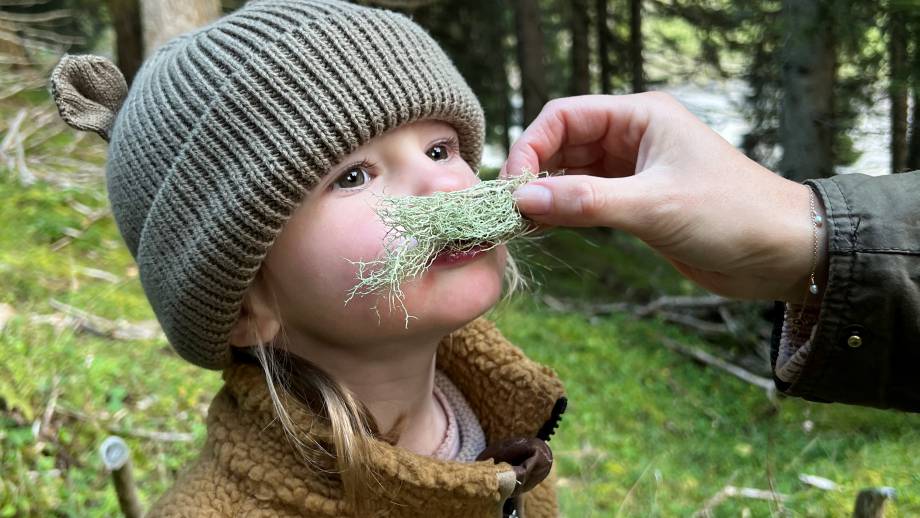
pixel 21 3
pixel 738 492
pixel 72 234
pixel 702 326
pixel 21 86
pixel 102 275
pixel 663 303
pixel 673 309
pixel 708 359
pixel 46 16
pixel 6 313
pixel 155 435
pixel 818 482
pixel 48 414
pixel 151 435
pixel 680 302
pixel 12 132
pixel 84 321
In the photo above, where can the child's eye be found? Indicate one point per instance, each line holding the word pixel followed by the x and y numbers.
pixel 354 177
pixel 443 150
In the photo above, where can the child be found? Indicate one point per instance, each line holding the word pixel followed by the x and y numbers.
pixel 243 169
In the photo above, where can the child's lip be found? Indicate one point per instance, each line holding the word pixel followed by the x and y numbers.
pixel 454 257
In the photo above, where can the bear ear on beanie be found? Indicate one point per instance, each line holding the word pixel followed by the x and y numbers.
pixel 88 91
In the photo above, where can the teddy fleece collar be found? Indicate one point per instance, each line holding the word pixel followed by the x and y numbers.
pixel 513 397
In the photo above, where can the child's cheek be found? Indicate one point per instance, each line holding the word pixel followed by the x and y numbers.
pixel 348 232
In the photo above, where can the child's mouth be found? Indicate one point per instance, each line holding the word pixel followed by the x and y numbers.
pixel 456 255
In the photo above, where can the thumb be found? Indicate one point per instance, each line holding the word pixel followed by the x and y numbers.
pixel 584 201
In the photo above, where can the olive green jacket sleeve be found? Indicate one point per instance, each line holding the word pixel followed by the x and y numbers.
pixel 862 345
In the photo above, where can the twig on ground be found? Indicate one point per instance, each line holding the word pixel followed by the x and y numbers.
pixel 155 435
pixel 738 492
pixel 681 302
pixel 21 3
pixel 709 359
pixel 140 433
pixel 81 320
pixel 704 327
pixel 25 176
pixel 661 304
pixel 102 275
pixel 20 86
pixel 46 16
pixel 671 308
pixel 12 131
pixel 48 414
pixel 6 313
pixel 818 482
pixel 730 322
pixel 72 234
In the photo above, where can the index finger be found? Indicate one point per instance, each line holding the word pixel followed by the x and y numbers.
pixel 614 122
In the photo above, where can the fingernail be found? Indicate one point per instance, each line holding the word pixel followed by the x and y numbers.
pixel 534 199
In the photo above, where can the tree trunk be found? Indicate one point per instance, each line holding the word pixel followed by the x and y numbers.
pixel 897 88
pixel 530 58
pixel 635 46
pixel 129 45
pixel 601 16
pixel 507 119
pixel 806 130
pixel 578 23
pixel 164 19
pixel 913 153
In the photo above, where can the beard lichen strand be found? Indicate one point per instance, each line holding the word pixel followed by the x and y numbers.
pixel 483 216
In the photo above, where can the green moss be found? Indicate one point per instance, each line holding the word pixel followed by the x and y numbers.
pixel 421 227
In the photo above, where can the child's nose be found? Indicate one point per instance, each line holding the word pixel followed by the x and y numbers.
pixel 436 177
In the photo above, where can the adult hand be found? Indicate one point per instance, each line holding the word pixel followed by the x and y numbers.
pixel 644 164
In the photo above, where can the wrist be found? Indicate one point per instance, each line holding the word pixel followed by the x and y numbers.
pixel 812 282
pixel 822 257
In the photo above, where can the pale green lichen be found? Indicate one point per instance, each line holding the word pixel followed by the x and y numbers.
pixel 421 227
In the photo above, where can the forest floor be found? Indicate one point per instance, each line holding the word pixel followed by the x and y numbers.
pixel 648 432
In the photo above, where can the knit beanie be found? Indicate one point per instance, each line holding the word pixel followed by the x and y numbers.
pixel 226 128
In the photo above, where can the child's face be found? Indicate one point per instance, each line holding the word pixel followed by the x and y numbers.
pixel 308 267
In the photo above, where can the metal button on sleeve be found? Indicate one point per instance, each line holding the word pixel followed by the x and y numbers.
pixel 854 336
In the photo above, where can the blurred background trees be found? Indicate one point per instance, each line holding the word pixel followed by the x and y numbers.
pixel 808 69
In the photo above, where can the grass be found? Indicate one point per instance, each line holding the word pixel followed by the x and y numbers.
pixel 648 433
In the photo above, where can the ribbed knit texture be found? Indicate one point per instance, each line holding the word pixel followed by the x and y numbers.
pixel 226 128
pixel 464 439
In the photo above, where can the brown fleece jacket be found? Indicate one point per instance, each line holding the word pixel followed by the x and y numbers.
pixel 248 467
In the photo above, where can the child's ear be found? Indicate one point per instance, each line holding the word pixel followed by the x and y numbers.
pixel 88 91
pixel 257 322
